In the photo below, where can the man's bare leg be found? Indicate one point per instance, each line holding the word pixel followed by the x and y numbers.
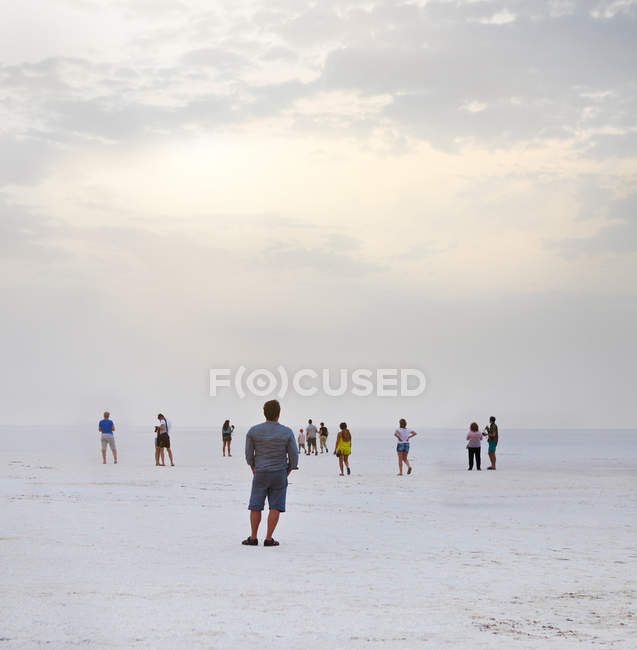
pixel 114 455
pixel 255 520
pixel 103 456
pixel 170 455
pixel 273 520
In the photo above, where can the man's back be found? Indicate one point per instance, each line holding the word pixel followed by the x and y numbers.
pixel 310 429
pixel 270 446
pixel 106 426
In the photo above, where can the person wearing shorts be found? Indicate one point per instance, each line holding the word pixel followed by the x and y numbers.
pixel 310 431
pixel 492 438
pixel 107 436
pixel 404 435
pixel 163 441
pixel 157 451
pixel 301 441
pixel 343 448
pixel 226 436
pixel 271 453
pixel 323 438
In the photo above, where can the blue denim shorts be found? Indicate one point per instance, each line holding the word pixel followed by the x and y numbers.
pixel 402 446
pixel 273 485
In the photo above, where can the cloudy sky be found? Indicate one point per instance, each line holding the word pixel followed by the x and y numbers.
pixel 447 185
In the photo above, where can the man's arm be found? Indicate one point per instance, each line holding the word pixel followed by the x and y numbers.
pixel 250 450
pixel 293 454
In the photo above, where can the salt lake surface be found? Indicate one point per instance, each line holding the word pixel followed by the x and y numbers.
pixel 539 554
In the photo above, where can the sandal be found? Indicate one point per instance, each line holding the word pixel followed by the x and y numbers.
pixel 270 542
pixel 248 541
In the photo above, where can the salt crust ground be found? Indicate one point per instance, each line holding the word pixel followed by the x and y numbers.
pixel 540 554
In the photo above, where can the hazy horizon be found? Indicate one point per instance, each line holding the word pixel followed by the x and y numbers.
pixel 447 186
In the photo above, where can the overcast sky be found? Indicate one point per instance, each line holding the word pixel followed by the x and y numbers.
pixel 445 185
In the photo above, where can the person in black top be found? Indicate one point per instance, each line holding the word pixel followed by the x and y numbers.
pixel 323 438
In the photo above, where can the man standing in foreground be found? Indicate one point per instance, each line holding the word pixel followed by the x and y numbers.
pixel 272 454
pixel 492 439
pixel 107 431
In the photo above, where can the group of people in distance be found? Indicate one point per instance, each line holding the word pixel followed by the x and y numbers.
pixel 106 428
pixel 342 446
pixel 310 435
pixel 474 443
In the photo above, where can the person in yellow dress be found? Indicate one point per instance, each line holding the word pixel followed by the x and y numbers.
pixel 343 447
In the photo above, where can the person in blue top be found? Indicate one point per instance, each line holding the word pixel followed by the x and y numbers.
pixel 107 437
pixel 272 454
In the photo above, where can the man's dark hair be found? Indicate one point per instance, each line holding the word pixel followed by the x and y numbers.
pixel 309 421
pixel 492 419
pixel 272 410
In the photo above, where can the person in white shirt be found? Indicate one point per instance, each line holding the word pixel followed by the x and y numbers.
pixel 310 431
pixel 163 441
pixel 404 435
pixel 301 441
pixel 473 446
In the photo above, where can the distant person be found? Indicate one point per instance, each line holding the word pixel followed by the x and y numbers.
pixel 272 454
pixel 404 435
pixel 343 448
pixel 310 432
pixel 301 441
pixel 475 441
pixel 492 439
pixel 226 436
pixel 157 450
pixel 163 440
pixel 323 438
pixel 107 436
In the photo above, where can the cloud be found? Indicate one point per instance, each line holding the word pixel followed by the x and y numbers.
pixel 27 158
pixel 340 242
pixel 328 260
pixel 613 145
pixel 449 73
pixel 503 17
pixel 617 236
